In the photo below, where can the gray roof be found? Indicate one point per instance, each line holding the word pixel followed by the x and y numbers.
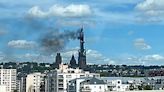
pixel 93 81
pixel 124 79
pixel 85 78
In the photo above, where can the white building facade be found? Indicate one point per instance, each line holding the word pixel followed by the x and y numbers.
pixel 88 84
pixel 33 82
pixel 116 85
pixel 8 78
pixel 74 85
pixel 3 88
pixel 58 79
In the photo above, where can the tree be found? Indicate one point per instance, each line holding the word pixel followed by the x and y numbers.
pixel 140 87
pixel 147 87
pixel 131 87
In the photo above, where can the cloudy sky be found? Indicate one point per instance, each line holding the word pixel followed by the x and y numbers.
pixel 116 31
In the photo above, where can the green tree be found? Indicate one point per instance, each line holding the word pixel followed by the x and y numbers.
pixel 147 87
pixel 131 87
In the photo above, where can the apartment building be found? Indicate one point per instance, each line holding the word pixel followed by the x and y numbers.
pixel 88 84
pixel 3 88
pixel 34 81
pixel 8 78
pixel 57 80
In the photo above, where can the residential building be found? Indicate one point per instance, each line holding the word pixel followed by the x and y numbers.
pixel 23 82
pixel 34 81
pixel 3 88
pixel 93 85
pixel 57 80
pixel 117 85
pixel 156 83
pixel 87 84
pixel 74 85
pixel 8 78
pixel 18 86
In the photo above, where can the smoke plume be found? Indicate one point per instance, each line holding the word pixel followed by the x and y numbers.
pixel 55 41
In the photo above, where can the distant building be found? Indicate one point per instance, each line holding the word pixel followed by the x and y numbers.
pixel 57 80
pixel 116 84
pixel 74 85
pixel 96 85
pixel 8 78
pixel 154 73
pixel 156 83
pixel 73 62
pixel 82 52
pixel 23 82
pixel 18 86
pixel 87 84
pixel 34 81
pixel 93 85
pixel 58 60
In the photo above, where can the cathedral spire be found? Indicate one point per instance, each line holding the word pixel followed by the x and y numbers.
pixel 82 52
pixel 73 62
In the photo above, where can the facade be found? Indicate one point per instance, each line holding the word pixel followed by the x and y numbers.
pixel 93 85
pixel 23 83
pixel 18 86
pixel 33 82
pixel 3 88
pixel 156 83
pixel 57 80
pixel 126 83
pixel 8 78
pixel 87 84
pixel 74 85
pixel 118 85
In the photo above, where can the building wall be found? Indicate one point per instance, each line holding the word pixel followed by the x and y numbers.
pixel 140 91
pixel 96 87
pixel 3 88
pixel 70 76
pixel 62 76
pixel 78 84
pixel 18 85
pixel 23 84
pixel 8 78
pixel 33 82
pixel 117 85
pixel 51 83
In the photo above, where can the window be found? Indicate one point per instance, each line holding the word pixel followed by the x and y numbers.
pixel 82 76
pixel 60 80
pixel 68 76
pixel 60 76
pixel 72 71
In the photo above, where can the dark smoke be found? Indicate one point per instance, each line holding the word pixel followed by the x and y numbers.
pixel 55 41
